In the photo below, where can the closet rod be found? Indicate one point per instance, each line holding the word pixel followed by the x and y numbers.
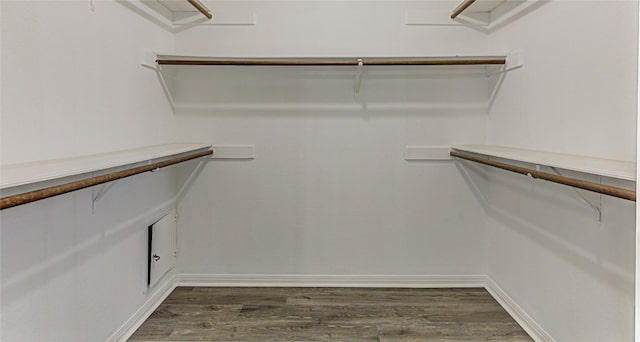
pixel 461 8
pixel 336 62
pixel 200 7
pixel 576 183
pixel 28 197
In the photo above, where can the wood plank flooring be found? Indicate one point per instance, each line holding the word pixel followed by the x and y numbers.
pixel 329 314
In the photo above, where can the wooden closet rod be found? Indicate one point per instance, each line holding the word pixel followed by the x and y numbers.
pixel 461 8
pixel 200 7
pixel 336 62
pixel 28 197
pixel 577 183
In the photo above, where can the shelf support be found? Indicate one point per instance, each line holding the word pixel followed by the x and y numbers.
pixel 190 180
pixel 165 88
pixel 596 208
pixel 357 78
pixel 148 60
pixel 503 70
pixel 101 192
pixel 514 61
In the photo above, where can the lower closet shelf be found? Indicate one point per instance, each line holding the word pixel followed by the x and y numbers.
pixel 596 166
pixel 155 157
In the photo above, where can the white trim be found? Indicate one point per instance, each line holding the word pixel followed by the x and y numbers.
pixel 530 325
pixel 135 321
pixel 288 280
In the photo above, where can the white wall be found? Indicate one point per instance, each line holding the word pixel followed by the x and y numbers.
pixel 637 237
pixel 72 85
pixel 329 192
pixel 576 94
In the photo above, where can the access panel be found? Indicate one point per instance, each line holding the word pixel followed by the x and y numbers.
pixel 162 247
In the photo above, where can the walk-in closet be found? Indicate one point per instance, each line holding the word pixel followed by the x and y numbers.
pixel 319 170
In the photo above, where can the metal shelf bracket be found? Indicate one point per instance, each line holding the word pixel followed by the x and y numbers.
pixel 103 189
pixel 596 208
pixel 515 60
pixel 357 77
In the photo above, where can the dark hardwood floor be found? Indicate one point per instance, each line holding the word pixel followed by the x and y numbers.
pixel 329 314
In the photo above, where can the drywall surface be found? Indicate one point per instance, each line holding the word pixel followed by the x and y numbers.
pixel 329 191
pixel 72 85
pixel 75 87
pixel 576 94
pixel 637 269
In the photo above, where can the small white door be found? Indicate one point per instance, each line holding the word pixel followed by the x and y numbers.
pixel 162 247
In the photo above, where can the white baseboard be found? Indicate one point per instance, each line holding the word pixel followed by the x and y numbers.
pixel 289 280
pixel 532 327
pixel 161 292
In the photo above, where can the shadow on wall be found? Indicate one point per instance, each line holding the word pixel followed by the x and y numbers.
pixel 226 90
pixel 553 217
pixel 354 110
pixel 50 239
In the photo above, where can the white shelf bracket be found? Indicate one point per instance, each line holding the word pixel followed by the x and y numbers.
pixel 190 180
pixel 515 60
pixel 596 208
pixel 101 192
pixel 148 60
pixel 357 77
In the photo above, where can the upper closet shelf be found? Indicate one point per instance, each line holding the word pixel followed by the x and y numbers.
pixel 34 172
pixel 337 61
pixel 596 166
pixel 173 15
pixel 211 84
pixel 195 3
pixel 489 15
